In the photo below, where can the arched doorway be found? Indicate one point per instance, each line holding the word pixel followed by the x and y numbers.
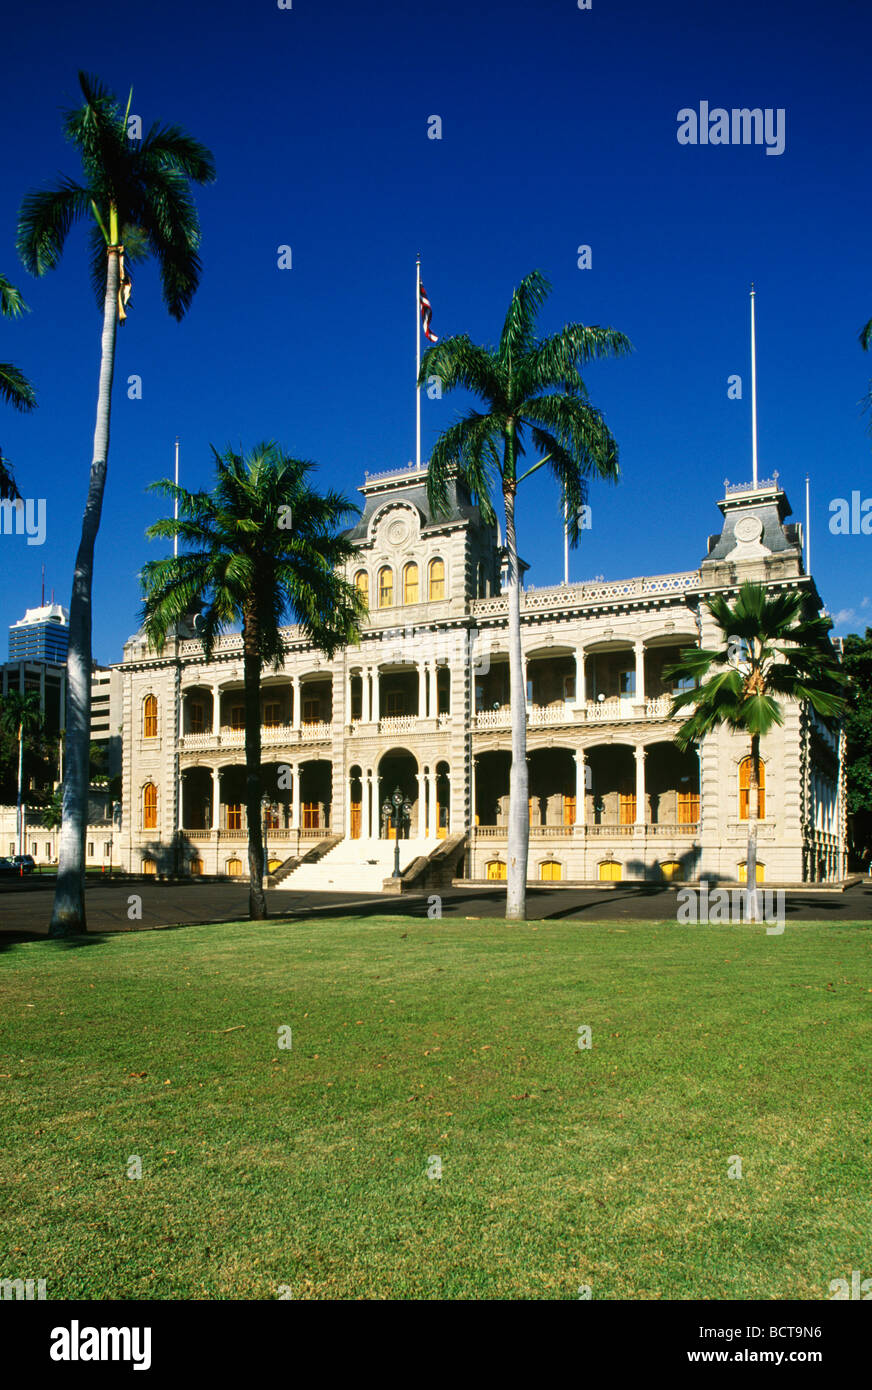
pixel 355 793
pixel 398 770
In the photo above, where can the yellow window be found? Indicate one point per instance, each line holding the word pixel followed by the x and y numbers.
pixel 410 584
pixel 688 808
pixel 196 717
pixel 496 869
pixel 569 810
pixel 628 808
pixel 311 815
pixel 437 579
pixel 149 806
pixel 361 583
pixel 745 788
pixel 234 816
pixel 385 587
pixel 149 717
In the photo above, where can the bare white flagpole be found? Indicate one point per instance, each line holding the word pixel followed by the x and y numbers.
pixel 176 504
pixel 753 387
pixel 565 540
pixel 417 362
pixel 807 529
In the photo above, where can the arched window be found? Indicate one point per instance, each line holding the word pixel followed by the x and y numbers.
pixel 550 872
pixel 745 788
pixel 410 583
pixel 234 868
pixel 437 579
pixel 149 717
pixel 149 806
pixel 361 583
pixel 385 587
pixel 496 869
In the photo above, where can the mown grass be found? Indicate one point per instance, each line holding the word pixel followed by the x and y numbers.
pixel 412 1039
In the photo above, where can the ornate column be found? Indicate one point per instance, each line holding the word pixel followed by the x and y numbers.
pixel 364 796
pixel 365 705
pixel 180 820
pixel 580 685
pixel 639 649
pixel 216 710
pixel 422 807
pixel 527 700
pixel 347 695
pixel 376 703
pixel 472 793
pixel 347 806
pixel 422 668
pixel 295 797
pixel 433 815
pixel 640 754
pixel 296 711
pixel 216 797
pixel 580 785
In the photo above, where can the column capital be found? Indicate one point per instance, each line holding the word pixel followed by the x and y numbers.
pixel 640 751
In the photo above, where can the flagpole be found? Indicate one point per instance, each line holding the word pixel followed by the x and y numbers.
pixel 565 540
pixel 807 529
pixel 753 387
pixel 176 504
pixel 417 362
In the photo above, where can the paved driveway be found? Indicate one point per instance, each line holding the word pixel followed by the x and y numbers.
pixel 25 907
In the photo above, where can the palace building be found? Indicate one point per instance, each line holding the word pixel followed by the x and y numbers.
pixel 421 706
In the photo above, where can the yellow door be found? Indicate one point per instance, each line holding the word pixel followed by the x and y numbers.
pixel 569 810
pixel 234 868
pixel 550 872
pixel 670 868
pixel 609 872
pixel 743 872
pixel 356 820
pixel 496 869
pixel 628 808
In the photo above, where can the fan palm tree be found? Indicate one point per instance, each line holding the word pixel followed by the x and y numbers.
pixel 529 386
pixel 136 198
pixel 771 648
pixel 15 389
pixel 263 550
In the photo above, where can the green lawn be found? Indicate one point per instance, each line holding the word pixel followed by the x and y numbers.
pixel 458 1039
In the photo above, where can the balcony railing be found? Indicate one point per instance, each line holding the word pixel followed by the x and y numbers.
pixel 664 831
pixel 271 736
pixel 611 710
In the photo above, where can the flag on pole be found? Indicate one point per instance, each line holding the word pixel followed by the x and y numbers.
pixel 426 314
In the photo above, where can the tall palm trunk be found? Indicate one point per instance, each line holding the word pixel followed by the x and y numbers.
pixel 68 912
pixel 753 898
pixel 519 806
pixel 251 665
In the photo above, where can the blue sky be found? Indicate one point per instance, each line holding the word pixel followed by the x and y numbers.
pixel 558 129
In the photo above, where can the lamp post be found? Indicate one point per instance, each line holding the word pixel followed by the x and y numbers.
pixel 392 810
pixel 265 804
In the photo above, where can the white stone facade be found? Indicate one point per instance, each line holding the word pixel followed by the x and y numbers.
pixel 422 704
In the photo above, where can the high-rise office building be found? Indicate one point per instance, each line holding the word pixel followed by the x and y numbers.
pixel 41 635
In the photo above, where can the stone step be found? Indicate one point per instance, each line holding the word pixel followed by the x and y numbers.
pixel 355 865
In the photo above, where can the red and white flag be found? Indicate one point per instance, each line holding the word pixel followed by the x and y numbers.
pixel 426 314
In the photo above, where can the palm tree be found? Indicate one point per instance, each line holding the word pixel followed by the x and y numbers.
pixel 771 647
pixel 14 386
pixel 263 551
pixel 20 716
pixel 528 385
pixel 136 198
